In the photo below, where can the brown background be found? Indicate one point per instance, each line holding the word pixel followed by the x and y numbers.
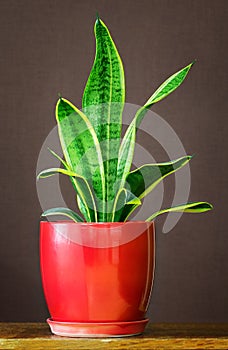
pixel 47 46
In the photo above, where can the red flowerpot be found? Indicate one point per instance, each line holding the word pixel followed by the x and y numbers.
pixel 97 277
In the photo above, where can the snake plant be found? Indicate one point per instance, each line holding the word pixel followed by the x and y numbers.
pixel 96 158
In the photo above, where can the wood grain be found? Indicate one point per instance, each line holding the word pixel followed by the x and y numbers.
pixel 23 336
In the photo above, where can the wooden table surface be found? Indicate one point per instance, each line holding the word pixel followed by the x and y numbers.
pixel 33 336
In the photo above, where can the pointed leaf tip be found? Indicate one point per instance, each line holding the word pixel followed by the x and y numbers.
pixel 98 21
pixel 191 64
pixel 192 207
pixel 209 205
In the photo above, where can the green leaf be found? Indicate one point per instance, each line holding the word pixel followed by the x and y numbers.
pixel 105 86
pixel 123 197
pixel 165 89
pixel 144 179
pixel 66 166
pixel 128 143
pixel 126 154
pixel 169 85
pixel 60 159
pixel 83 207
pixel 103 101
pixel 194 207
pixel 64 212
pixel 81 186
pixel 52 171
pixel 80 146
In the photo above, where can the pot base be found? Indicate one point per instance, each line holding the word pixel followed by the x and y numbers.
pixel 97 329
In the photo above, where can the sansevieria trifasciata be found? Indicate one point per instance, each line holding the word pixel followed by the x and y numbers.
pixel 97 159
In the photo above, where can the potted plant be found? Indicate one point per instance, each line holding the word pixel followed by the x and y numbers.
pixel 97 270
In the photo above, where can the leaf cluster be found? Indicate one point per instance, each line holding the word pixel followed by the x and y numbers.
pixel 97 159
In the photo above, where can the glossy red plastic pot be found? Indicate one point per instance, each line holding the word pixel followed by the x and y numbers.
pixel 97 272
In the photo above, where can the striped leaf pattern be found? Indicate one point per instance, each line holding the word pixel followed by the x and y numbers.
pixel 96 161
pixel 80 146
pixel 128 143
pixel 103 102
pixel 81 186
pixel 194 207
pixel 144 179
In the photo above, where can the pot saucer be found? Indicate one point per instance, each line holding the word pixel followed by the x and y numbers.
pixel 97 329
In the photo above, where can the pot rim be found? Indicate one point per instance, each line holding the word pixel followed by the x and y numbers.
pixel 84 223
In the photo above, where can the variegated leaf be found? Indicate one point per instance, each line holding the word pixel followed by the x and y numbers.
pixel 123 197
pixel 144 179
pixel 128 143
pixel 81 147
pixel 194 207
pixel 103 102
pixel 63 212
